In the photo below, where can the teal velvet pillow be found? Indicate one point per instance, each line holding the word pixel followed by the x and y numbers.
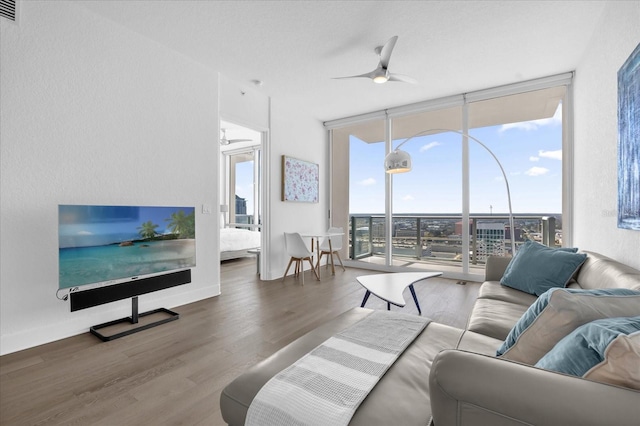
pixel 585 347
pixel 559 311
pixel 536 268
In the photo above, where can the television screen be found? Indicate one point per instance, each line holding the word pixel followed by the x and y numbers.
pixel 108 244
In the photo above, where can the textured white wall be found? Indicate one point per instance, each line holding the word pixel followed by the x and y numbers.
pixel 92 113
pixel 290 132
pixel 596 135
pixel 296 135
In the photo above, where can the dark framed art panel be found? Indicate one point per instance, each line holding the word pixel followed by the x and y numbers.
pixel 629 142
pixel 300 180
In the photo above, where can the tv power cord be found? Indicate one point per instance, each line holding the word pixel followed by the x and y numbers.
pixel 65 297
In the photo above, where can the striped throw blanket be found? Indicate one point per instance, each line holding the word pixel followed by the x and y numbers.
pixel 326 386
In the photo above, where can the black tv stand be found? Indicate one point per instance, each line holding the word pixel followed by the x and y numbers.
pixel 100 295
pixel 133 319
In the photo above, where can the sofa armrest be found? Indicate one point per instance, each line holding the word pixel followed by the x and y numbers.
pixel 495 267
pixel 473 389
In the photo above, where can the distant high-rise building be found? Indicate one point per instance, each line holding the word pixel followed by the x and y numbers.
pixel 490 240
pixel 241 205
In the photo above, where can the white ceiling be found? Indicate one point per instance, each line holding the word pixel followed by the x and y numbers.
pixel 296 47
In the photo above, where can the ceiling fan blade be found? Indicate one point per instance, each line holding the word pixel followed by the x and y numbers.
pixel 402 78
pixel 225 141
pixel 387 49
pixel 381 73
pixel 366 75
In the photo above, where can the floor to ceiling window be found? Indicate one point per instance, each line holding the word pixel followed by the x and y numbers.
pixel 244 180
pixel 240 176
pixel 358 181
pixel 451 211
pixel 427 201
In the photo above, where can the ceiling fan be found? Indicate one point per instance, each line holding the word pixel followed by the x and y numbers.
pixel 225 141
pixel 381 74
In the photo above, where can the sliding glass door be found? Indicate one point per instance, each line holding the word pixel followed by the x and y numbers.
pixel 240 176
pixel 451 211
pixel 427 201
pixel 244 179
pixel 358 189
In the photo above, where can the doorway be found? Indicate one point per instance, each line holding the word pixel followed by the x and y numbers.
pixel 241 207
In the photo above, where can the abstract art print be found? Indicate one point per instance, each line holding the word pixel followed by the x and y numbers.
pixel 300 180
pixel 629 142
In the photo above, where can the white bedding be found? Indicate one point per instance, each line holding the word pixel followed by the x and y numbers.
pixel 233 239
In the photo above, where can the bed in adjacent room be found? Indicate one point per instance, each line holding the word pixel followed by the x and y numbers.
pixel 235 243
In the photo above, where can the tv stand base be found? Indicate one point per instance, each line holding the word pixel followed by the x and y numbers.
pixel 133 319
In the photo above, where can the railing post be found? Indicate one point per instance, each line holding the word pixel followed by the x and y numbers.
pixel 352 251
pixel 370 235
pixel 474 241
pixel 549 231
pixel 418 240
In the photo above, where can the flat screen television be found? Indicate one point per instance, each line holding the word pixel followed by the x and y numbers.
pixel 109 253
pixel 101 245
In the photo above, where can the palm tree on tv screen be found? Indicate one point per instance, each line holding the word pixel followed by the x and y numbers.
pixel 182 225
pixel 147 229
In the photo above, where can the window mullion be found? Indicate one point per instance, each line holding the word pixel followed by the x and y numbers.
pixel 465 189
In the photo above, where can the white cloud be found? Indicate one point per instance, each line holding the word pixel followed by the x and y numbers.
pixel 536 171
pixel 555 155
pixel 532 158
pixel 367 182
pixel 428 146
pixel 523 125
pixel 535 124
pixel 408 198
pixel 85 233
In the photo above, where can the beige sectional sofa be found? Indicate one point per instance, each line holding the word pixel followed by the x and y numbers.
pixel 453 376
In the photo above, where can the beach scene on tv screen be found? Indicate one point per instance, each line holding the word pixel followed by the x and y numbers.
pixel 101 244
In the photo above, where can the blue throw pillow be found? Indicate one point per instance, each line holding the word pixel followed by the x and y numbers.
pixel 536 268
pixel 585 347
pixel 581 305
pixel 525 247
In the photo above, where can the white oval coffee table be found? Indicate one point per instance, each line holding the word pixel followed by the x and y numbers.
pixel 390 286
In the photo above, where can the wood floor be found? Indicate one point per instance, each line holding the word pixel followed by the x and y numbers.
pixel 173 374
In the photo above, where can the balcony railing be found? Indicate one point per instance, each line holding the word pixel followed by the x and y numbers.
pixel 244 221
pixel 438 238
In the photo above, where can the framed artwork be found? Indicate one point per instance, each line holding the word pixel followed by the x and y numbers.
pixel 300 180
pixel 629 142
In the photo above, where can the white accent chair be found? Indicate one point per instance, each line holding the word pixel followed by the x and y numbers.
pixel 336 246
pixel 299 252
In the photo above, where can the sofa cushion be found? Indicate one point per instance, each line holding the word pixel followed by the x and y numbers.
pixel 588 345
pixel 494 318
pixel 560 311
pixel 478 343
pixel 536 268
pixel 599 271
pixel 496 291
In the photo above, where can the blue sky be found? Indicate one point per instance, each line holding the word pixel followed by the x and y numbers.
pixel 244 183
pixel 530 152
